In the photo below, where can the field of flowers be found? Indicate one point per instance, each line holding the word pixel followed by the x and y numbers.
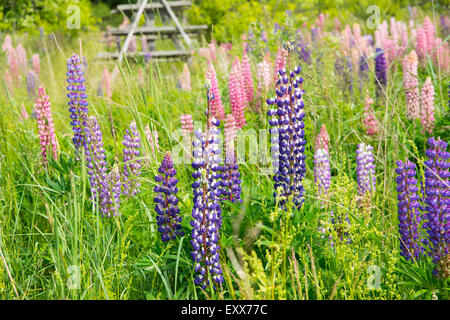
pixel 293 163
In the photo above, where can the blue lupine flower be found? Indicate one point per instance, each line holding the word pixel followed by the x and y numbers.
pixel 437 191
pixel 166 202
pixel 77 99
pixel 363 71
pixel 408 210
pixel 343 67
pixel 131 161
pixel 206 212
pixel 288 137
pixel 105 186
pixel 365 169
pixel 322 173
pixel 380 71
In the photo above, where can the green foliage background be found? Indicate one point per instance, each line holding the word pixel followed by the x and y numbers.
pixel 228 19
pixel 232 18
pixel 29 16
pixel 48 225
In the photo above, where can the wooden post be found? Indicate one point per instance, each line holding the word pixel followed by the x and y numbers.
pixel 177 23
pixel 134 24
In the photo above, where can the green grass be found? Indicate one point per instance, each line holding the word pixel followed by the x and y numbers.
pixel 54 246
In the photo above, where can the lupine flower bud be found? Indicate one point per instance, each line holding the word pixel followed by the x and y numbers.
pixel 304 52
pixel 411 85
pixel 437 191
pixel 24 113
pixel 343 67
pixel 205 53
pixel 152 138
pixel 430 34
pixel 216 103
pixel 370 122
pixel 105 191
pixel 187 125
pixel 131 162
pixel 13 63
pixel 166 202
pixel 231 189
pixel 322 173
pixel 280 61
pixel 264 76
pixel 421 40
pixel 31 80
pixel 380 71
pixel 288 137
pixel 78 106
pixel 141 77
pixel 237 98
pixel 337 24
pixel 132 46
pixel 408 210
pixel 441 55
pixel 323 139
pixel 8 79
pixel 144 44
pixel 365 169
pixel 185 79
pixel 206 212
pixel 106 83
pixel 46 127
pixel 125 23
pixel 247 78
pixel 427 103
pixel 212 49
pixel 21 57
pixel 230 138
pixel 363 70
pixel 444 20
pixel 7 43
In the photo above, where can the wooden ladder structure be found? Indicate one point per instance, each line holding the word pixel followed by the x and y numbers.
pixel 169 12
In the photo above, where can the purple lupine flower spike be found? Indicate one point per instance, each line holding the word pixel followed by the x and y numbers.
pixel 288 137
pixel 231 182
pixel 322 174
pixel 365 169
pixel 131 161
pixel 343 67
pixel 380 71
pixel 363 71
pixel 437 191
pixel 104 191
pixel 408 210
pixel 166 202
pixel 31 80
pixel 206 212
pixel 448 96
pixel 77 99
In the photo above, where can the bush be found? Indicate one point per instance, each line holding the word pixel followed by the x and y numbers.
pixel 52 15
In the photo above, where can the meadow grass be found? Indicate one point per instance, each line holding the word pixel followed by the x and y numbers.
pixel 55 246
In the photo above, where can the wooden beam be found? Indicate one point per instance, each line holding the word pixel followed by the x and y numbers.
pixel 153 54
pixel 158 30
pixel 177 23
pixel 176 5
pixel 134 24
